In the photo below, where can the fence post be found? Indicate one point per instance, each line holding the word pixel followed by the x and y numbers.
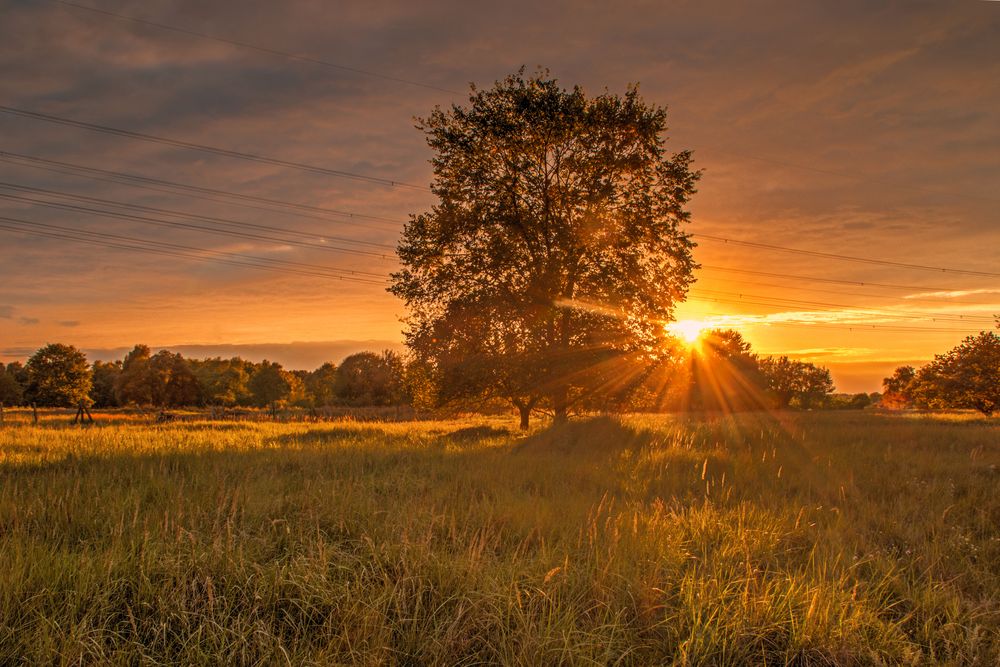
pixel 34 414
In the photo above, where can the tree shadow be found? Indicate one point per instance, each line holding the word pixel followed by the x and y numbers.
pixel 600 435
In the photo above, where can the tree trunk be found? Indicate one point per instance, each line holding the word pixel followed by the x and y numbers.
pixel 560 405
pixel 524 410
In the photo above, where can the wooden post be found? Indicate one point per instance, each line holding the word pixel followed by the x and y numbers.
pixel 34 414
pixel 1 414
pixel 83 415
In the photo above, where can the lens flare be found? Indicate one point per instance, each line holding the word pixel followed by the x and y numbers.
pixel 688 331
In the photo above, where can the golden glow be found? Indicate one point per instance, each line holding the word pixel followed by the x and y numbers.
pixel 688 331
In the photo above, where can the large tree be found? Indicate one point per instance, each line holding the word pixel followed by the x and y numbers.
pixel 967 376
pixel 58 376
pixel 555 249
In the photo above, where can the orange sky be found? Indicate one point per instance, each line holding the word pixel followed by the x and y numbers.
pixel 830 127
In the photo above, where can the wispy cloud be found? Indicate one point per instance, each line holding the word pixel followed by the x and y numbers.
pixel 954 293
pixel 839 352
pixel 893 120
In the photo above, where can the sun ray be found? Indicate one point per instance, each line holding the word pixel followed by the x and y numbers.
pixel 689 331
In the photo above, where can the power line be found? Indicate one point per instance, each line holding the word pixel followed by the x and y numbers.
pixel 157 251
pixel 865 328
pixel 852 327
pixel 204 148
pixel 834 281
pixel 187 252
pixel 840 307
pixel 144 219
pixel 847 174
pixel 195 191
pixel 325 63
pixel 253 47
pixel 850 258
pixel 937 302
pixel 383 181
pixel 246 260
pixel 206 218
pixel 182 225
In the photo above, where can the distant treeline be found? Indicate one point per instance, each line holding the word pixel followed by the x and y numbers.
pixel 60 376
pixel 721 374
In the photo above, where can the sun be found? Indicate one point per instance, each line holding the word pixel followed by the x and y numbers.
pixel 688 331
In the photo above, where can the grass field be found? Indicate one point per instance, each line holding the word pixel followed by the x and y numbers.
pixel 825 538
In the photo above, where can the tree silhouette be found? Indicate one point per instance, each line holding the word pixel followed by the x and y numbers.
pixel 967 376
pixel 725 374
pixel 897 389
pixel 555 246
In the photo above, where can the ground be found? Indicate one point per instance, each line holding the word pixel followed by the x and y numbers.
pixel 808 538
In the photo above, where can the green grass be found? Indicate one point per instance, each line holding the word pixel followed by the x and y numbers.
pixel 839 539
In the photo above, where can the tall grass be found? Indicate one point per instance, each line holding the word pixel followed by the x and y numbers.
pixel 825 539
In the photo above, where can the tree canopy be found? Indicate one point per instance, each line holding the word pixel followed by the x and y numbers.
pixel 58 376
pixel 556 246
pixel 967 376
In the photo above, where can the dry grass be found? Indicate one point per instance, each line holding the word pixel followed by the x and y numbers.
pixel 805 539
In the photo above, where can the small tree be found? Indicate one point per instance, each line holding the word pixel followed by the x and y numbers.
pixel 58 376
pixel 725 374
pixel 105 375
pixel 897 389
pixel 135 382
pixel 223 381
pixel 172 382
pixel 321 384
pixel 817 385
pixel 784 378
pixel 800 381
pixel 368 378
pixel 269 384
pixel 555 248
pixel 11 392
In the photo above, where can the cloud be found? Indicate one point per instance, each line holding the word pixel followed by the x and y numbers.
pixel 890 111
pixel 953 293
pixel 28 321
pixel 830 352
pixel 68 323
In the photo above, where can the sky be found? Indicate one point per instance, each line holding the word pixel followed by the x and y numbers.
pixel 864 129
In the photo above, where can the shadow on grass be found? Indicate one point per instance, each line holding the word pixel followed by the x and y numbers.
pixel 589 436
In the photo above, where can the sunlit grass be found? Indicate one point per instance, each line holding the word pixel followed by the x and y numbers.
pixel 822 539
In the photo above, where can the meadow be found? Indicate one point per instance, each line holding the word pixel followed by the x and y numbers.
pixel 849 538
